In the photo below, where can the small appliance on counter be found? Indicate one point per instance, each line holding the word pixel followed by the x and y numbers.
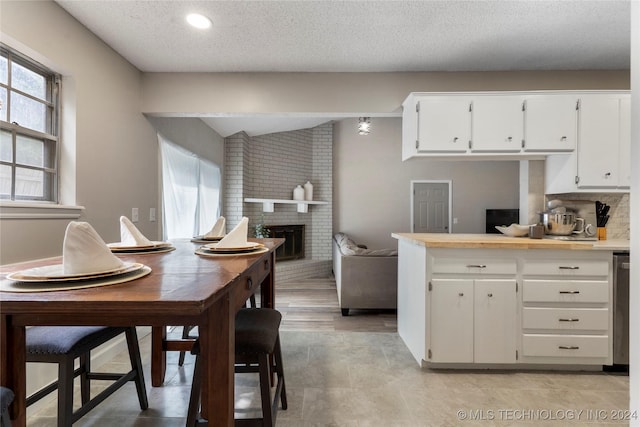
pixel 570 220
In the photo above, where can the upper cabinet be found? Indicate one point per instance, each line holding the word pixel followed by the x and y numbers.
pixel 489 124
pixel 497 124
pixel 602 159
pixel 443 125
pixel 550 123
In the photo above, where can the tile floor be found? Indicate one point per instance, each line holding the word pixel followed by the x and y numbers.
pixel 339 374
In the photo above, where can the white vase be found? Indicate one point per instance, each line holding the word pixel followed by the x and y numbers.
pixel 308 191
pixel 298 193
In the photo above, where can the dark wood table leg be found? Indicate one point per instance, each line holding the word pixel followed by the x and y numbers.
pixel 158 355
pixel 13 369
pixel 217 338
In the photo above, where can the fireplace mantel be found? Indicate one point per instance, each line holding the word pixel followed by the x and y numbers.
pixel 268 204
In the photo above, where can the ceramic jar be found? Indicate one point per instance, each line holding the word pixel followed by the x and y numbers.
pixel 298 193
pixel 308 191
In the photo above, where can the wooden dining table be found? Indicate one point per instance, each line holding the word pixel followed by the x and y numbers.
pixel 183 289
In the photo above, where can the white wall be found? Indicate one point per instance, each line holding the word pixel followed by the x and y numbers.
pixel 110 148
pixel 372 184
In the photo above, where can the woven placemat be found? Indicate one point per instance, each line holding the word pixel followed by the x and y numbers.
pixel 7 285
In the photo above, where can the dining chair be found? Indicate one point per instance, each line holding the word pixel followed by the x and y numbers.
pixel 256 339
pixel 186 330
pixel 63 345
pixel 6 397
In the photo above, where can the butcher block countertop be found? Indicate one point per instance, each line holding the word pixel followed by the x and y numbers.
pixel 499 241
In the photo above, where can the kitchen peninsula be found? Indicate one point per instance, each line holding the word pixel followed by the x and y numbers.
pixel 492 301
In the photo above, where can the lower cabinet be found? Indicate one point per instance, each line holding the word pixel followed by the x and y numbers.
pixel 467 307
pixel 473 321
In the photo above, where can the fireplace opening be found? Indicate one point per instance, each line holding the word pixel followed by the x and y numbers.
pixel 293 247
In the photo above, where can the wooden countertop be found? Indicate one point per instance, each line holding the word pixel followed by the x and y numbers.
pixel 499 241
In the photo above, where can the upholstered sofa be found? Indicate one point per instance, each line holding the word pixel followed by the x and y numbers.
pixel 365 278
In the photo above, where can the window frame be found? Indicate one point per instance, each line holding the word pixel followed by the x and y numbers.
pixel 50 138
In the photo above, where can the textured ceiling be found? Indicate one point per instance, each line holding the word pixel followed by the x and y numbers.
pixel 363 36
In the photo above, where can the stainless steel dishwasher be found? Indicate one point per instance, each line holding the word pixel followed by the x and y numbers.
pixel 621 265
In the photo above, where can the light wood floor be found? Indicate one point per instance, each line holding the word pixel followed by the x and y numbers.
pixel 355 371
pixel 312 305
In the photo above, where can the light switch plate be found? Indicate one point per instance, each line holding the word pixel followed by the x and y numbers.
pixel 134 215
pixel 152 214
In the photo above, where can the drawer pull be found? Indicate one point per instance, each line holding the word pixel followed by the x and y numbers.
pixel 568 320
pixel 569 267
pixel 249 283
pixel 266 264
pixel 489 295
pixel 461 294
pixel 568 347
pixel 569 292
pixel 476 266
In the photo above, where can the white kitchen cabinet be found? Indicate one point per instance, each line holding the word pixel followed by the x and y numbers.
pixel 472 318
pixel 601 161
pixel 465 307
pixel 451 321
pixel 625 143
pixel 550 123
pixel 444 124
pixel 497 124
pixel 566 311
pixel 599 149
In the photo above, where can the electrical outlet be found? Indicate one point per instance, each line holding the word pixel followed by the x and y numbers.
pixel 152 214
pixel 134 215
pixel 455 220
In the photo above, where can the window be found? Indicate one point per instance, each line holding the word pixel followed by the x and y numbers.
pixel 190 192
pixel 28 129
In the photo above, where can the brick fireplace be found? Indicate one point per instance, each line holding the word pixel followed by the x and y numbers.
pixel 269 167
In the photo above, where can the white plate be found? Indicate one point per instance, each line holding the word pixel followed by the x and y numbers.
pixel 120 247
pixel 208 252
pixel 55 273
pixel 247 246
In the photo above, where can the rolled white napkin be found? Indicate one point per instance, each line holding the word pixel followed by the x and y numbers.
pixel 85 252
pixel 236 237
pixel 218 229
pixel 130 235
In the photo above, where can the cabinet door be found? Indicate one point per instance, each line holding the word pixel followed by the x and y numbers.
pixel 495 306
pixel 625 143
pixel 599 141
pixel 444 125
pixel 497 124
pixel 451 321
pixel 550 123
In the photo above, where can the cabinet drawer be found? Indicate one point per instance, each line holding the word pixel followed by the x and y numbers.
pixel 565 345
pixel 585 319
pixel 568 291
pixel 566 268
pixel 474 266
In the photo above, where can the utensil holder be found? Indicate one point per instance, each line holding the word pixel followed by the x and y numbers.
pixel 602 233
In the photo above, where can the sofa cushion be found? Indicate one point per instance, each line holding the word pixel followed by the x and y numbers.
pixel 350 248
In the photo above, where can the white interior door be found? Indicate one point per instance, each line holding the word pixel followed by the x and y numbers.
pixel 431 201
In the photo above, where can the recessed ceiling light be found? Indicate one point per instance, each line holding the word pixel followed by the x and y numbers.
pixel 198 21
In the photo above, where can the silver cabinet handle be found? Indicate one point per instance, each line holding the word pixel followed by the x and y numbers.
pixel 568 320
pixel 568 347
pixel 568 267
pixel 569 292
pixel 476 266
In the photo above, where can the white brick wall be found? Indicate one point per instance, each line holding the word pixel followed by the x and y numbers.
pixel 270 166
